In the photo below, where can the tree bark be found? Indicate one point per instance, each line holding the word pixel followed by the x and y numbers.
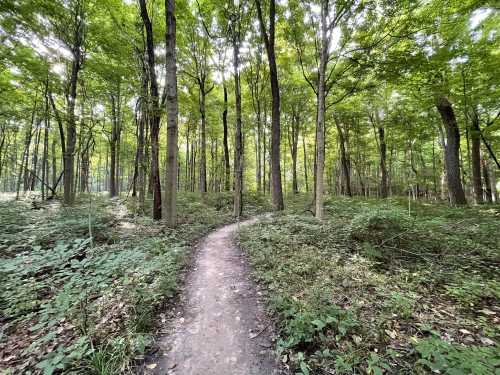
pixel 476 160
pixel 227 167
pixel 154 113
pixel 456 192
pixel 294 142
pixel 172 115
pixel 78 38
pixel 305 162
pixel 383 165
pixel 269 41
pixel 345 167
pixel 320 119
pixel 238 141
pixel 487 183
pixel 113 188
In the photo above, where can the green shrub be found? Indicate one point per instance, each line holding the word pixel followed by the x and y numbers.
pixel 442 357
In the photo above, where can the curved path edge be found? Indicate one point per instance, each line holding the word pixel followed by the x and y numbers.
pixel 221 327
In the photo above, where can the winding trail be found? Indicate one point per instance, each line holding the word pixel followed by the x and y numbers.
pixel 222 328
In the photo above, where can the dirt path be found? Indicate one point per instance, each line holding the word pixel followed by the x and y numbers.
pixel 223 329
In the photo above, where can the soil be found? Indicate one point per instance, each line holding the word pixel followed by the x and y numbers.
pixel 221 327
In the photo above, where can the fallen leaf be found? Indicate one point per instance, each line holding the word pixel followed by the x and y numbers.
pixel 487 341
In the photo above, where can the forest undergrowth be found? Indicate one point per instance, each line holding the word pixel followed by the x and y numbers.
pixel 375 290
pixel 82 302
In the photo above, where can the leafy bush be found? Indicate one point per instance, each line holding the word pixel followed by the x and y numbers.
pixel 442 357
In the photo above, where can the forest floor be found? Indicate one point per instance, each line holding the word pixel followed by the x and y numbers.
pixel 221 327
pixel 82 287
pixel 372 289
pixel 375 289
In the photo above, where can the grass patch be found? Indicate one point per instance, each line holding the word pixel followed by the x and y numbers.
pixel 374 290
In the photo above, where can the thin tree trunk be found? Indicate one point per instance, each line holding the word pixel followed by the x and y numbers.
pixel 305 162
pixel 320 121
pixel 344 161
pixel 294 141
pixel 476 160
pixel 487 182
pixel 45 158
pixel 113 189
pixel 203 148
pixel 34 160
pixel 23 167
pixel 227 167
pixel 383 157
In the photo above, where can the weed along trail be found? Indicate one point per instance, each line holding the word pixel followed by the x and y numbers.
pixel 222 328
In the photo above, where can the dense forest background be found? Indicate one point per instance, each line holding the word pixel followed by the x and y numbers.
pixel 362 137
pixel 380 99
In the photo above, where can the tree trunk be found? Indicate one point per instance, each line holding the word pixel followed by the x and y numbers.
pixel 238 141
pixel 34 160
pixel 203 148
pixel 154 113
pixel 172 115
pixel 227 167
pixel 487 183
pixel 294 142
pixel 79 24
pixel 23 168
pixel 383 157
pixel 305 162
pixel 320 119
pixel 456 192
pixel 45 158
pixel 113 189
pixel 269 41
pixel 476 160
pixel 344 161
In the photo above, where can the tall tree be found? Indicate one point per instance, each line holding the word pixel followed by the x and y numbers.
pixel 172 115
pixel 268 36
pixel 76 46
pixel 154 113
pixel 235 33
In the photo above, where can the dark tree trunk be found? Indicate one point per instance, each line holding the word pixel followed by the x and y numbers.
pixel 34 160
pixel 227 167
pixel 238 136
pixel 456 192
pixel 23 167
pixel 69 154
pixel 113 183
pixel 487 183
pixel 305 162
pixel 45 158
pixel 383 157
pixel 294 142
pixel 476 160
pixel 344 161
pixel 154 113
pixel 203 150
pixel 269 41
